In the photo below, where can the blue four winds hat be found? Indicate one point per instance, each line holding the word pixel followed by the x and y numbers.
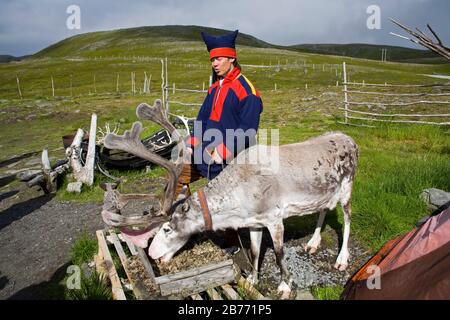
pixel 222 46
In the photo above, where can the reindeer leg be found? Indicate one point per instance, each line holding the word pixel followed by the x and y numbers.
pixel 255 238
pixel 277 234
pixel 342 259
pixel 314 243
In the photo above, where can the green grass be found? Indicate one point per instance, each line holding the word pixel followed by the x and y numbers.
pixel 93 287
pixel 327 293
pixel 84 249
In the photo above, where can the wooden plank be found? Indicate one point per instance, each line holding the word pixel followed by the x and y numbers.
pixel 118 247
pixel 137 287
pixel 130 244
pixel 109 239
pixel 117 289
pixel 356 125
pixel 400 121
pixel 198 283
pixel 196 296
pixel 142 255
pixel 249 289
pixel 213 294
pixel 193 272
pixel 396 114
pixel 230 293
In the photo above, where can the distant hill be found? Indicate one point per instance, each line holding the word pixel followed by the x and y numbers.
pixel 7 58
pixel 133 40
pixel 371 51
pixel 141 40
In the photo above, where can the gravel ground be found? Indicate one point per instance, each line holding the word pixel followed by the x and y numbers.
pixel 36 236
pixel 307 270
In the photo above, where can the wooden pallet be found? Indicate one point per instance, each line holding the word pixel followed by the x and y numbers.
pixel 216 281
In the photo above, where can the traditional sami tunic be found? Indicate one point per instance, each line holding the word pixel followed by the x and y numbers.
pixel 233 104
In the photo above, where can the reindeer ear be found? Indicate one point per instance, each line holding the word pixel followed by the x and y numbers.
pixel 185 207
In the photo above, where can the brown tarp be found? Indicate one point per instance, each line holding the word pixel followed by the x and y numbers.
pixel 412 266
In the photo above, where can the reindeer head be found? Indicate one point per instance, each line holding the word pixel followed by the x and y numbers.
pixel 172 235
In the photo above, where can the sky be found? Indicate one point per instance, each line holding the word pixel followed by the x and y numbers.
pixel 27 26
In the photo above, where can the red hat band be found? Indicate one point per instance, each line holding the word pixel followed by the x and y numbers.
pixel 222 52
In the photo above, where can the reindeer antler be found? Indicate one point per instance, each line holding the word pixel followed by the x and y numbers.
pixel 424 40
pixel 130 142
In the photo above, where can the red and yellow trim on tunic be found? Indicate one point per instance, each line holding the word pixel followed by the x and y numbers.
pixel 192 141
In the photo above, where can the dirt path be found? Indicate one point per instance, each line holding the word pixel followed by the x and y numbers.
pixel 36 236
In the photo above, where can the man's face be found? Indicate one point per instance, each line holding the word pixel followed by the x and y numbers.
pixel 222 65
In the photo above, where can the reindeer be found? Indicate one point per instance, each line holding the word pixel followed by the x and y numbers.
pixel 311 176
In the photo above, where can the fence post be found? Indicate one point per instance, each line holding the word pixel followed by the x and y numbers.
pixel 345 92
pixel 173 88
pixel 18 87
pixel 95 87
pixel 145 82
pixel 71 92
pixel 117 83
pixel 162 83
pixel 167 89
pixel 53 87
pixel 148 84
pixel 275 87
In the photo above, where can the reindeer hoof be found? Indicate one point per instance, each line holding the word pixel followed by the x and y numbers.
pixel 310 249
pixel 284 290
pixel 340 267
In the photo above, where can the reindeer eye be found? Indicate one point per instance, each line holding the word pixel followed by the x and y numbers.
pixel 167 230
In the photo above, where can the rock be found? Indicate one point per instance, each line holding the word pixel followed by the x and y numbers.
pixel 435 198
pixel 74 187
pixel 304 295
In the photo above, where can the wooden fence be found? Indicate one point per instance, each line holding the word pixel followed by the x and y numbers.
pixel 139 79
pixel 433 103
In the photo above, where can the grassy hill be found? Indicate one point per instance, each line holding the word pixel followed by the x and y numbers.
pixel 4 58
pixel 370 51
pixel 137 41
